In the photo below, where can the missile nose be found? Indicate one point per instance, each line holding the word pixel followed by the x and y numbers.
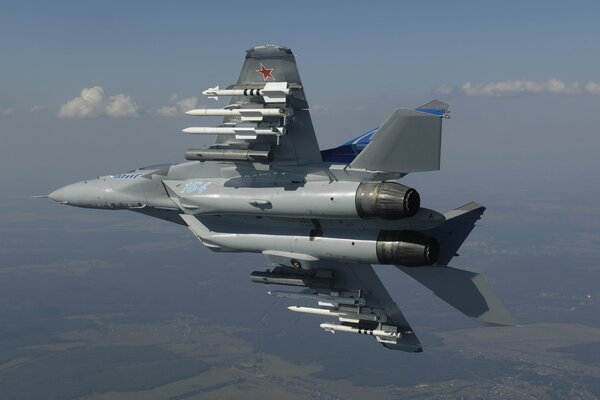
pixel 58 195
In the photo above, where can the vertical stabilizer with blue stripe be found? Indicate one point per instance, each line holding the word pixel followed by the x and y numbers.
pixel 408 138
pixel 435 107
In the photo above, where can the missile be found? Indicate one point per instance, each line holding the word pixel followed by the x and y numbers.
pixel 272 92
pixel 322 299
pixel 386 336
pixel 344 316
pixel 247 114
pixel 313 310
pixel 282 276
pixel 241 132
pixel 228 155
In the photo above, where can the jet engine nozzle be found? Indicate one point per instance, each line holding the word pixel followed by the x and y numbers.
pixel 386 200
pixel 408 248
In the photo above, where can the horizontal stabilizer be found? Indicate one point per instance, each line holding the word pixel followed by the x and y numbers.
pixel 408 141
pixel 464 290
pixel 452 233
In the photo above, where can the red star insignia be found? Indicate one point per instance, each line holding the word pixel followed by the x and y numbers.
pixel 265 72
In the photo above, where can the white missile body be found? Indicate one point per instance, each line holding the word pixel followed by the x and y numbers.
pixel 342 315
pixel 272 92
pixel 246 114
pixel 384 334
pixel 323 300
pixel 241 132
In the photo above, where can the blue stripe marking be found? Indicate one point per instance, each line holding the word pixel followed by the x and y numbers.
pixel 365 138
pixel 349 150
pixel 435 111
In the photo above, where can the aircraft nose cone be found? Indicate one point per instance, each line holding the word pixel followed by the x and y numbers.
pixel 58 195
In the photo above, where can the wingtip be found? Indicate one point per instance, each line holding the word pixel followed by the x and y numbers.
pixel 501 323
pixel 409 348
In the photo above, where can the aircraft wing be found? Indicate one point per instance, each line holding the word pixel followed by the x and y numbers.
pixel 267 119
pixel 353 295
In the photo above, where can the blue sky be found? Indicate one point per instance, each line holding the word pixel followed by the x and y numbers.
pixel 151 49
pixel 522 78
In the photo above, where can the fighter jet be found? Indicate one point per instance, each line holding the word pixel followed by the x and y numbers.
pixel 322 218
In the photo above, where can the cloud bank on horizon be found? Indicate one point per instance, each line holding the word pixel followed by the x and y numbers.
pixel 94 102
pixel 518 87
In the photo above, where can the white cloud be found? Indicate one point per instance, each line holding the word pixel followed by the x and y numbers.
pixel 317 108
pixel 445 89
pixel 89 104
pixel 560 87
pixel 92 102
pixel 517 87
pixel 178 107
pixel 592 87
pixel 37 108
pixel 7 111
pixel 121 106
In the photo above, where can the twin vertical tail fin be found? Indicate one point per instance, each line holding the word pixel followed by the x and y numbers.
pixel 435 107
pixel 408 141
